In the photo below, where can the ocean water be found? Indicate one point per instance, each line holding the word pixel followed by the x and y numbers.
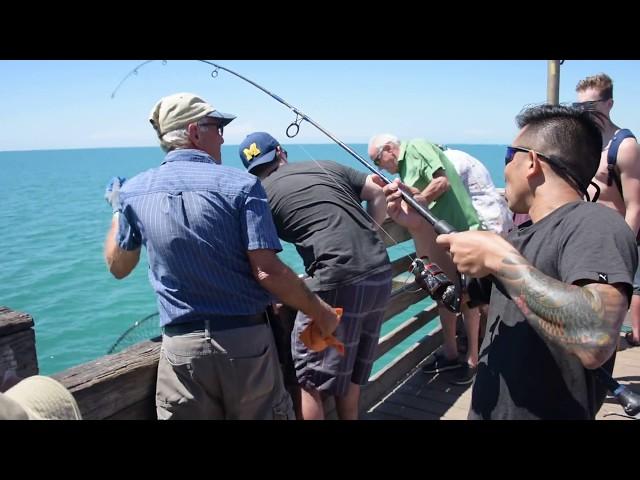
pixel 54 223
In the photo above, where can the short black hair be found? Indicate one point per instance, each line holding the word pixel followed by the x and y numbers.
pixel 569 134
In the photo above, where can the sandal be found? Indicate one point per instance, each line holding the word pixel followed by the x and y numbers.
pixel 629 339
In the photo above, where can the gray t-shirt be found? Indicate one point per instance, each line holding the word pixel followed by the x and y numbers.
pixel 522 375
pixel 317 208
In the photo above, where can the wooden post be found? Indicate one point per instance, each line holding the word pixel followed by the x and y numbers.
pixel 17 346
pixel 553 82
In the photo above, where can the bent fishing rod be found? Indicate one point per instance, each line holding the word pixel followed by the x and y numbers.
pixel 440 226
pixel 628 399
pixel 423 272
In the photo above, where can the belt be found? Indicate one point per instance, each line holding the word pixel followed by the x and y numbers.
pixel 217 323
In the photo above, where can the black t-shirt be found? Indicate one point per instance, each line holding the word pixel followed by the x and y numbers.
pixel 522 375
pixel 318 208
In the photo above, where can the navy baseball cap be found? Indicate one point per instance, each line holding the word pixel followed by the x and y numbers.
pixel 256 149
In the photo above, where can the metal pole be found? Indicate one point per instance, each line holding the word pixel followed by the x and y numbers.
pixel 553 82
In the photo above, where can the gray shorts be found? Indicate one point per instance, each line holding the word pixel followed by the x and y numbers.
pixel 364 304
pixel 234 374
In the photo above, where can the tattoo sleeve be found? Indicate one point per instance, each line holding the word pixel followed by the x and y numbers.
pixel 584 320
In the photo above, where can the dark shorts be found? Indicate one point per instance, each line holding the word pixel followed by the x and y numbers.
pixel 364 304
pixel 636 278
pixel 282 325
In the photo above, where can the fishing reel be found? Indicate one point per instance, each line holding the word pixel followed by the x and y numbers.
pixel 431 278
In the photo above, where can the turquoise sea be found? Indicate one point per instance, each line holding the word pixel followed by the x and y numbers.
pixel 54 222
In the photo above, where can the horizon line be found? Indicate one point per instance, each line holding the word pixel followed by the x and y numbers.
pixel 230 145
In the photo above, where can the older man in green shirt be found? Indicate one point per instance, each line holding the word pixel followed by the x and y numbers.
pixel 435 184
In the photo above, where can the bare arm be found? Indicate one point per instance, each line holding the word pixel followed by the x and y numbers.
pixel 120 262
pixel 582 319
pixel 281 281
pixel 376 202
pixel 629 165
pixel 438 186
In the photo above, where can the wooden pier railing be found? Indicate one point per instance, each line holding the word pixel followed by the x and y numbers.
pixel 122 385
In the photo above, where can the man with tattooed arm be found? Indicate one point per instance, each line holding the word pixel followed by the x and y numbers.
pixel 562 282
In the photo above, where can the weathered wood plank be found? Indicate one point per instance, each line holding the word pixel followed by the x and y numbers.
pixel 456 414
pixel 12 321
pixel 18 354
pixel 401 265
pixel 431 392
pixel 611 410
pixel 438 382
pixel 632 353
pixel 110 385
pixel 145 409
pixel 437 409
pixel 377 415
pixel 626 363
pixel 397 335
pixel 393 373
pixel 400 301
pixel 398 234
pixel 405 411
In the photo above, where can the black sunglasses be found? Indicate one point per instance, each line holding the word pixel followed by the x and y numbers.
pixel 557 165
pixel 511 152
pixel 589 105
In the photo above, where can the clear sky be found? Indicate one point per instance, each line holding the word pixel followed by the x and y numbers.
pixel 67 104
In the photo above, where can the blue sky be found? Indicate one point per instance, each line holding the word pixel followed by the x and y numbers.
pixel 67 104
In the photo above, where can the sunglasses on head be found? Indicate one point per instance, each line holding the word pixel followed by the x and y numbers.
pixel 589 105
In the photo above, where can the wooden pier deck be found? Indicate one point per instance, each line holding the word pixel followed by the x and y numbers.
pixel 432 397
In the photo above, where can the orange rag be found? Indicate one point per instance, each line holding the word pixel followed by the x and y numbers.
pixel 313 340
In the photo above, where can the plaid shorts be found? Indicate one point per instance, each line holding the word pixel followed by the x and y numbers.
pixel 364 304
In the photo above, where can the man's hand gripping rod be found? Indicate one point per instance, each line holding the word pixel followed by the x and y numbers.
pixel 429 276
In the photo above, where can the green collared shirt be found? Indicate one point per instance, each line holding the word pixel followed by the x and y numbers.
pixel 417 163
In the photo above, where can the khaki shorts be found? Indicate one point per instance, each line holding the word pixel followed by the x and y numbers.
pixel 233 375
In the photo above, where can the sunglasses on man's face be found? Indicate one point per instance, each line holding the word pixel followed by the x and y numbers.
pixel 553 161
pixel 556 163
pixel 378 157
pixel 511 152
pixel 219 127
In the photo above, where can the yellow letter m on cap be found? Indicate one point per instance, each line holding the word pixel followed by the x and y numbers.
pixel 251 152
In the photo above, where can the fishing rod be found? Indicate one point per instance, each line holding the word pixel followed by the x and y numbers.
pixel 629 400
pixel 440 226
pixel 425 274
